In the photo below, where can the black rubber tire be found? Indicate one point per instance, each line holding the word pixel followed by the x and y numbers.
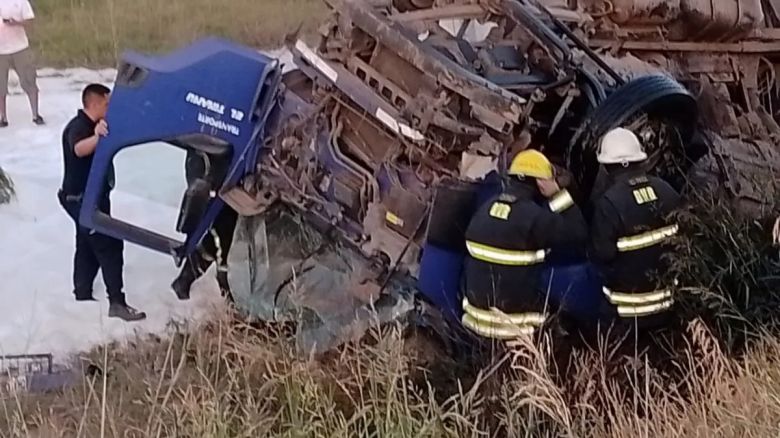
pixel 657 95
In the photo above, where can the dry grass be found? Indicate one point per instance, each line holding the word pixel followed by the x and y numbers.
pixel 232 380
pixel 95 32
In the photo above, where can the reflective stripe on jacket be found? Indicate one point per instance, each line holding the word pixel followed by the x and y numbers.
pixel 499 256
pixel 496 324
pixel 630 231
pixel 631 305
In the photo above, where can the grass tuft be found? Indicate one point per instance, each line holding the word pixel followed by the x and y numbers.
pixel 6 188
pixel 728 268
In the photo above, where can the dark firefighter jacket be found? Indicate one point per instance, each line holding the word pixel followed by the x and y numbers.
pixel 630 228
pixel 508 240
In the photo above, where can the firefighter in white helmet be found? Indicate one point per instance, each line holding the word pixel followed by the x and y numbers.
pixel 630 231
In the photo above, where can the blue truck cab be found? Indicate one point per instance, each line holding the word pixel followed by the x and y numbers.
pixel 212 98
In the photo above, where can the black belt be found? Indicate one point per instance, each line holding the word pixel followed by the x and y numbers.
pixel 70 198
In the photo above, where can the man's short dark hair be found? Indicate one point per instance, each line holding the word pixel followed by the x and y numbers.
pixel 94 90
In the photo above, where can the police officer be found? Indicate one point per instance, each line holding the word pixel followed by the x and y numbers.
pixel 94 251
pixel 508 239
pixel 215 246
pixel 629 230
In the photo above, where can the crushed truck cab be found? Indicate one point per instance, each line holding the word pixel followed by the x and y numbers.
pixel 212 98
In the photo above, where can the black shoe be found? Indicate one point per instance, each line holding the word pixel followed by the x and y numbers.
pixel 228 296
pixel 182 289
pixel 125 312
pixel 38 120
pixel 224 286
pixel 3 123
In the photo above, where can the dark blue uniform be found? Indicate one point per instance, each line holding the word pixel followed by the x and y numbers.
pixel 94 251
pixel 630 233
pixel 509 239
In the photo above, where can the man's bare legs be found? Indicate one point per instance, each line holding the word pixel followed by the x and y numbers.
pixel 32 96
pixel 3 116
pixel 5 67
pixel 24 64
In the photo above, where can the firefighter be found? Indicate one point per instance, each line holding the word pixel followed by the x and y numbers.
pixel 215 246
pixel 630 226
pixel 508 239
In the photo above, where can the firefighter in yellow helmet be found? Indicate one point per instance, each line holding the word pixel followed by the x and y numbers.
pixel 508 239
pixel 630 229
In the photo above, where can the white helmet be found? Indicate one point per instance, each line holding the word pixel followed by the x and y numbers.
pixel 620 146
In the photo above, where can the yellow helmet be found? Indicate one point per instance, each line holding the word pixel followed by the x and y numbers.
pixel 531 163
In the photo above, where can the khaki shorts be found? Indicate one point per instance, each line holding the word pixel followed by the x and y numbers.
pixel 23 64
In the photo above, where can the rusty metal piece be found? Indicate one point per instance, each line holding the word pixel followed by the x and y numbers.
pixel 247 205
pixel 454 76
pixel 440 13
pixel 645 11
pixel 678 46
pixel 722 20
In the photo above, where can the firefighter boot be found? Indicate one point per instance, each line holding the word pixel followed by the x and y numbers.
pixel 183 283
pixel 189 273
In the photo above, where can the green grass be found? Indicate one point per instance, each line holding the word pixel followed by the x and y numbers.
pixel 95 32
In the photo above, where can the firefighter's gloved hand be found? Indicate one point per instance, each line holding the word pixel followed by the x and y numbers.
pixel 776 232
pixel 548 187
pixel 563 177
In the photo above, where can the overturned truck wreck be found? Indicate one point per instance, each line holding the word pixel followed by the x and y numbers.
pixel 378 147
pixel 414 102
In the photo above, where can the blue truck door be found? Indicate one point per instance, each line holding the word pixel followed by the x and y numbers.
pixel 211 98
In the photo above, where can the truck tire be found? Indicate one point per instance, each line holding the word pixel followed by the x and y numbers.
pixel 659 96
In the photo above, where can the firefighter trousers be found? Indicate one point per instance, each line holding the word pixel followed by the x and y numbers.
pixel 214 248
pixel 95 252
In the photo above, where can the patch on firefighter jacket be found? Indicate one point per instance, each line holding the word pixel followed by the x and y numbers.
pixel 644 195
pixel 499 210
